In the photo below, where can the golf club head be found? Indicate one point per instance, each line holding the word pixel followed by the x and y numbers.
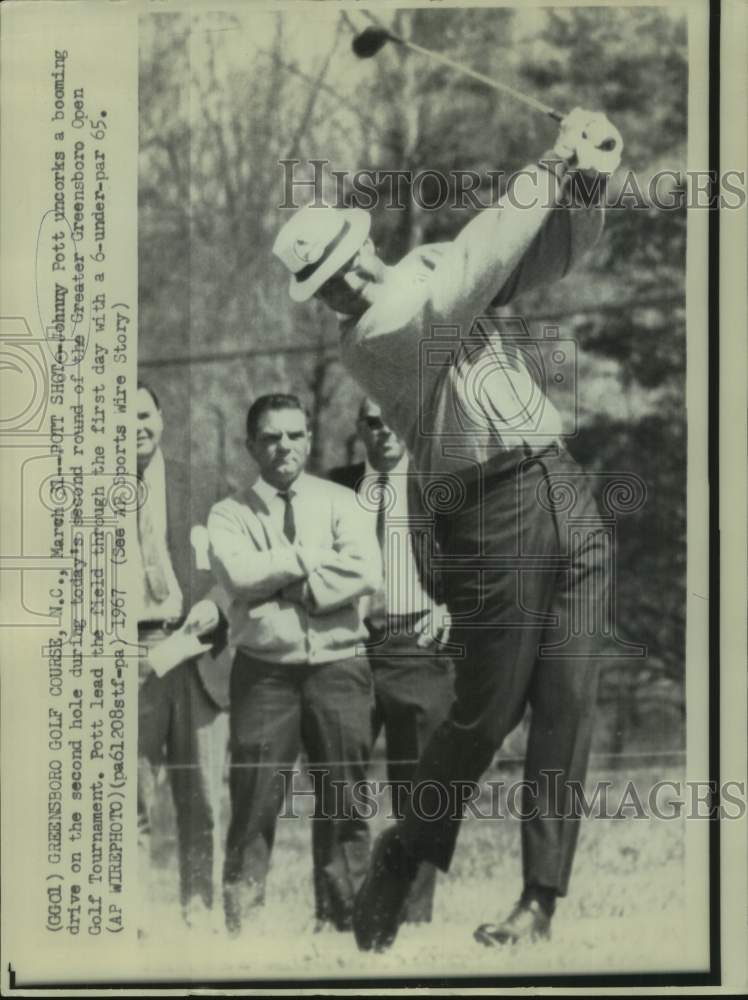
pixel 370 41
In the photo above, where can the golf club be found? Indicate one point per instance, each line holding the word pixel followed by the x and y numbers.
pixel 372 39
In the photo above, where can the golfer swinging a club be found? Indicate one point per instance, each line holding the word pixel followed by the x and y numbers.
pixel 524 568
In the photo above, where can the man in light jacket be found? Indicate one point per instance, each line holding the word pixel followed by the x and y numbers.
pixel 525 572
pixel 182 720
pixel 296 554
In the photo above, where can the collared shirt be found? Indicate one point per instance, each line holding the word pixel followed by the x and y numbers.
pixel 456 389
pixel 403 593
pixel 301 602
pixel 276 505
pixel 149 607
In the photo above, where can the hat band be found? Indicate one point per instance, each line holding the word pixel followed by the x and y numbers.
pixel 309 269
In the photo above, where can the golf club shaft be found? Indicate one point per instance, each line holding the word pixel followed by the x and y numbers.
pixel 482 78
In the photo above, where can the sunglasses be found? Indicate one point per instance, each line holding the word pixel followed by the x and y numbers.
pixel 374 423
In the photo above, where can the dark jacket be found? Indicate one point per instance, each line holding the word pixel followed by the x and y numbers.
pixel 348 475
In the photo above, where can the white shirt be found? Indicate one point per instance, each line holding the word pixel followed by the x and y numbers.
pixel 303 513
pixel 403 593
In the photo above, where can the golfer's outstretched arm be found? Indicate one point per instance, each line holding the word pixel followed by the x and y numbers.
pixel 527 239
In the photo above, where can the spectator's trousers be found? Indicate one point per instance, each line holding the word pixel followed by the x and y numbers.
pixel 413 690
pixel 180 726
pixel 526 572
pixel 276 709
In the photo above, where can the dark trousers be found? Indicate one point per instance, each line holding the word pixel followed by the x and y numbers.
pixel 527 565
pixel 276 709
pixel 179 725
pixel 413 690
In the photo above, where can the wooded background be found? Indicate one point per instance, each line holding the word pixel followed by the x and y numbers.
pixel 225 97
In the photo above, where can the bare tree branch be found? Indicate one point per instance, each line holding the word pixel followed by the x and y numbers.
pixel 340 98
pixel 312 97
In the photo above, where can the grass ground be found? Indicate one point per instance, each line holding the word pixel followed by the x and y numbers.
pixel 624 912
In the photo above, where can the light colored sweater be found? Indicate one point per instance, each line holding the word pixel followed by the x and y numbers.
pixel 296 603
pixel 449 383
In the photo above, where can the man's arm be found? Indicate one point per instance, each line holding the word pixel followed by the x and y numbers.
pixel 352 567
pixel 242 568
pixel 537 231
pixel 525 240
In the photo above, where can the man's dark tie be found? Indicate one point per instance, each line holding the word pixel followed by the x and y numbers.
pixel 382 509
pixel 151 553
pixel 289 524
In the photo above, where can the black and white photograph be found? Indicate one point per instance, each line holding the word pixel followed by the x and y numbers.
pixel 413 321
pixel 373 441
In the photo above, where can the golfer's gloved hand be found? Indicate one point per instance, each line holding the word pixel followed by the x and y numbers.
pixel 588 141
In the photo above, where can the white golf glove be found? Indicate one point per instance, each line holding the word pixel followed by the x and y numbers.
pixel 589 141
